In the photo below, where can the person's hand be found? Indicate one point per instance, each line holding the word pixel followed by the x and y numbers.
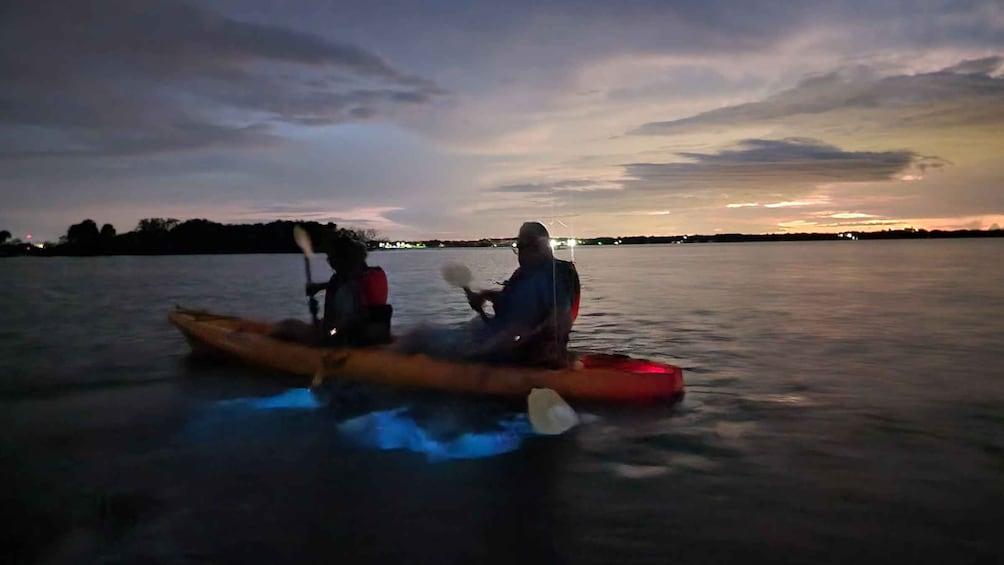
pixel 475 299
pixel 311 289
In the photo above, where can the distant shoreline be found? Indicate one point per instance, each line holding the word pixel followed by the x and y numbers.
pixel 164 247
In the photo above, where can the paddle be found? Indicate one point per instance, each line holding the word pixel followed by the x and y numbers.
pixel 302 239
pixel 549 413
pixel 459 276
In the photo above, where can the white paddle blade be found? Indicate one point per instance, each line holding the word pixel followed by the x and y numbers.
pixel 549 413
pixel 303 241
pixel 457 275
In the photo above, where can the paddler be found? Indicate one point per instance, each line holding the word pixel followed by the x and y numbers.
pixel 356 312
pixel 534 309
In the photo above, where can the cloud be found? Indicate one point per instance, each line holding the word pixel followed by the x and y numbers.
pixel 864 224
pixel 569 185
pixel 792 204
pixel 766 163
pixel 755 174
pixel 984 66
pixel 357 217
pixel 523 188
pixel 850 215
pixel 123 77
pixel 964 94
pixel 646 213
pixel 795 225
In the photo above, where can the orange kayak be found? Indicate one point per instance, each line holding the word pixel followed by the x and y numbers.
pixel 602 377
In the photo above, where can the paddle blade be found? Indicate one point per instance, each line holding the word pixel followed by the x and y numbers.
pixel 303 241
pixel 549 413
pixel 457 275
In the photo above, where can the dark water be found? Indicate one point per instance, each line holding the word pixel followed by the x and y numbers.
pixel 845 403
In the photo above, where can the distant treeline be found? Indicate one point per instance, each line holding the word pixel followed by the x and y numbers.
pixel 738 237
pixel 167 236
pixel 735 237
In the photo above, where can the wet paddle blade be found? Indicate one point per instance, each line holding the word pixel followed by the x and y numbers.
pixel 303 241
pixel 457 275
pixel 549 413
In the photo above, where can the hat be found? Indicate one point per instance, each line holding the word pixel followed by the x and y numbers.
pixel 345 247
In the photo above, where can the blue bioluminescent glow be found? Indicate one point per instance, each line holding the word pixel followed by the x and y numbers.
pixel 394 429
pixel 293 399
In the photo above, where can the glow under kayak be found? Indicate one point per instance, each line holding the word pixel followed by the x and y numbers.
pixel 603 377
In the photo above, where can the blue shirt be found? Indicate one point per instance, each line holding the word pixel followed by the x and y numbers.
pixel 529 297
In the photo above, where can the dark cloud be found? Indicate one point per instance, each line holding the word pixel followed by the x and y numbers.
pixel 785 166
pixel 865 222
pixel 984 66
pixel 768 163
pixel 317 212
pixel 964 94
pixel 123 77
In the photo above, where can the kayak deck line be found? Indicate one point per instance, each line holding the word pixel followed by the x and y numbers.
pixel 595 376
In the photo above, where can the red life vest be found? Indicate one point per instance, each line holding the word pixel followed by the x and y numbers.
pixel 571 281
pixel 374 287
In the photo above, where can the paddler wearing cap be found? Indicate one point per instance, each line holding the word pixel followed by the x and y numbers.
pixel 356 311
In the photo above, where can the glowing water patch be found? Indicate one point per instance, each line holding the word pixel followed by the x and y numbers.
pixel 394 429
pixel 218 420
pixel 292 399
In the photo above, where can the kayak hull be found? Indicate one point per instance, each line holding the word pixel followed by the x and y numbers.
pixel 599 377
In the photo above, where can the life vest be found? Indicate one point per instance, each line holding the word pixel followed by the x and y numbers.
pixel 374 328
pixel 570 278
pixel 374 286
pixel 374 292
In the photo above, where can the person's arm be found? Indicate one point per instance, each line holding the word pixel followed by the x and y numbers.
pixel 313 288
pixel 477 299
pixel 538 329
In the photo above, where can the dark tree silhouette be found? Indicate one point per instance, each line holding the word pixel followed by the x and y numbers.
pixel 156 224
pixel 107 232
pixel 4 236
pixel 369 236
pixel 85 233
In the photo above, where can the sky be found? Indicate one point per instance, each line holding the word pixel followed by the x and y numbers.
pixel 461 119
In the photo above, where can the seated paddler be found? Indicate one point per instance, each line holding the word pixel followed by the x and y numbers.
pixel 533 313
pixel 534 309
pixel 356 312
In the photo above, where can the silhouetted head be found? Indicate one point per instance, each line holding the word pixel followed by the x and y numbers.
pixel 345 254
pixel 533 244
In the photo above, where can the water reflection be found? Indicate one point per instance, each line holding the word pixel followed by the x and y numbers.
pixel 398 428
pixel 293 399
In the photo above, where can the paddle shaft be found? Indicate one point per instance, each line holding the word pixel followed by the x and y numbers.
pixel 313 301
